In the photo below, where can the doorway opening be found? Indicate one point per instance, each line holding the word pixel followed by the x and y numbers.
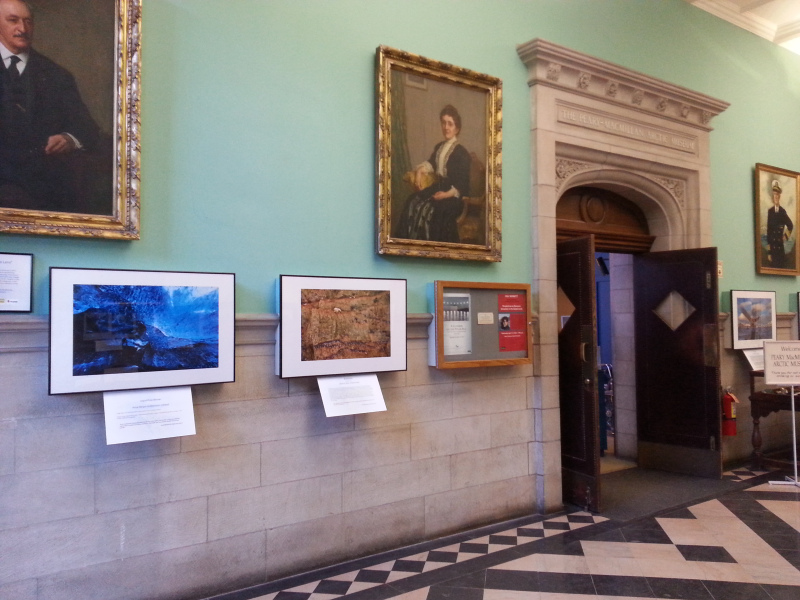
pixel 596 329
pixel 617 436
pixel 597 123
pixel 637 361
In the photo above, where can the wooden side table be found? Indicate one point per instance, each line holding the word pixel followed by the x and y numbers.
pixel 762 404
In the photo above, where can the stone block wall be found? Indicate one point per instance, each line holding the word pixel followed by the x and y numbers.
pixel 269 486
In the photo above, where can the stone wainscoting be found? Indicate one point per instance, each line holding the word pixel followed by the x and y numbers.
pixel 267 487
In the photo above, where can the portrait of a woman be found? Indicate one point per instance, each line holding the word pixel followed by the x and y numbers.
pixel 440 184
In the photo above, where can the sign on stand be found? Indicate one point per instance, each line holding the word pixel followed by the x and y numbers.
pixel 782 367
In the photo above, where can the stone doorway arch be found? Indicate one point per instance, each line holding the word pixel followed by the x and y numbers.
pixel 598 124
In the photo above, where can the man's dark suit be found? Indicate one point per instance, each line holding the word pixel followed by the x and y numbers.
pixel 43 101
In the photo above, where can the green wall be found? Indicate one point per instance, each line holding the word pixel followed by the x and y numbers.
pixel 258 131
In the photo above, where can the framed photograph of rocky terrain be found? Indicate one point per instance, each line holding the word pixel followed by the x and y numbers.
pixel 124 330
pixel 339 326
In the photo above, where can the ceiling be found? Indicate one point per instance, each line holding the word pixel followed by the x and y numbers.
pixel 775 20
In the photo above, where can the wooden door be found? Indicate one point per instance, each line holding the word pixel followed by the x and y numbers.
pixel 677 361
pixel 577 363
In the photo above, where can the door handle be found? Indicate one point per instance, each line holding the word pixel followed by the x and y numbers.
pixel 583 351
pixel 711 345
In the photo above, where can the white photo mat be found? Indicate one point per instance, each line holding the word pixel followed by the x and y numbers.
pixel 63 282
pixel 289 362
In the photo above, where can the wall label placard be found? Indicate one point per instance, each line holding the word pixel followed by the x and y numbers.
pixel 782 363
pixel 16 276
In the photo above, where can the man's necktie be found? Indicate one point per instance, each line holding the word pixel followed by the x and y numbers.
pixel 12 68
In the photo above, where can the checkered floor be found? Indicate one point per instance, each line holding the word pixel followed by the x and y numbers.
pixel 744 544
pixel 742 474
pixel 424 562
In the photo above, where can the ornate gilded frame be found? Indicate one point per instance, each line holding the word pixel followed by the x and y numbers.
pixel 123 222
pixel 428 85
pixel 789 184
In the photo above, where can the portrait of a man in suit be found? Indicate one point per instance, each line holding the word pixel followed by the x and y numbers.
pixel 49 142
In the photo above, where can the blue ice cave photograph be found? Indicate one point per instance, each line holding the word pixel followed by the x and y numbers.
pixel 139 328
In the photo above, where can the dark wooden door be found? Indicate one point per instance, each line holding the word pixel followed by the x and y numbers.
pixel 577 363
pixel 677 361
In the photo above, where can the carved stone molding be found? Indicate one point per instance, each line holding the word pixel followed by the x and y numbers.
pixel 566 168
pixel 676 187
pixel 556 66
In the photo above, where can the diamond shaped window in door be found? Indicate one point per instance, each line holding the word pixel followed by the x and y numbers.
pixel 674 310
pixel 565 309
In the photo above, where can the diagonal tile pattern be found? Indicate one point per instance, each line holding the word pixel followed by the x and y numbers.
pixel 347 584
pixel 742 474
pixel 743 544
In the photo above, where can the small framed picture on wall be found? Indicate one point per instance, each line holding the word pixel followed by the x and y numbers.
pixel 340 326
pixel 754 318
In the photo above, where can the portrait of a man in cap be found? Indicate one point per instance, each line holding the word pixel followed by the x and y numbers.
pixel 776 216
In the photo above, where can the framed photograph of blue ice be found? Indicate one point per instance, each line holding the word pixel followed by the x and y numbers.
pixel 122 330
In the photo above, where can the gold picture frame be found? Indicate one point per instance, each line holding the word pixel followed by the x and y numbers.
pixel 439 159
pixel 777 212
pixel 100 181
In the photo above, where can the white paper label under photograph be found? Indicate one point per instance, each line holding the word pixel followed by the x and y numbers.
pixel 151 414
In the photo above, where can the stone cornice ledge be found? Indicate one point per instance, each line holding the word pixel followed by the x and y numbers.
pixel 559 67
pixel 29 333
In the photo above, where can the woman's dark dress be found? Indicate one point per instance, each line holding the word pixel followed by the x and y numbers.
pixel 423 217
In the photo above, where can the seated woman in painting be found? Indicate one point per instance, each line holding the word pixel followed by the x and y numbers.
pixel 440 182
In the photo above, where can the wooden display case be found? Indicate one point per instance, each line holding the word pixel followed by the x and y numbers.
pixel 480 325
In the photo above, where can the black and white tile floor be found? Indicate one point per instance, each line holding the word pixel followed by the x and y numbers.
pixel 743 544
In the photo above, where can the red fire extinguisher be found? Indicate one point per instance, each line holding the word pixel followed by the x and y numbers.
pixel 729 402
